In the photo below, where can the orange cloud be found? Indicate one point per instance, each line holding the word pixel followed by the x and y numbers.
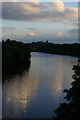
pixel 59 34
pixel 31 33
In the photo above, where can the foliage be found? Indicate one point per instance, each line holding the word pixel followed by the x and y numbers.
pixel 15 56
pixel 71 109
pixel 62 49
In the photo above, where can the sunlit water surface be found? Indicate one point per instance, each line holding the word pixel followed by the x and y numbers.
pixel 38 92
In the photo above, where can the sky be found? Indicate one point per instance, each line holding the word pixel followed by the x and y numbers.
pixel 56 22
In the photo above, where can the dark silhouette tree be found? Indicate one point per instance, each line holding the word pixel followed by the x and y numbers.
pixel 15 57
pixel 62 49
pixel 71 109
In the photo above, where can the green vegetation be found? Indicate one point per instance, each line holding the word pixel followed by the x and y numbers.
pixel 15 57
pixel 62 49
pixel 71 109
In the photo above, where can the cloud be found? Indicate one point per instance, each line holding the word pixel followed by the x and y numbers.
pixel 16 9
pixel 10 28
pixel 36 11
pixel 31 33
pixel 31 28
pixel 73 32
pixel 57 37
pixel 59 34
pixel 20 1
pixel 57 6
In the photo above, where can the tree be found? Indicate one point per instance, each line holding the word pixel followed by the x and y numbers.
pixel 15 57
pixel 71 109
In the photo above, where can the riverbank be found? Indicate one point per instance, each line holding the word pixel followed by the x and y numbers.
pixel 15 57
pixel 60 49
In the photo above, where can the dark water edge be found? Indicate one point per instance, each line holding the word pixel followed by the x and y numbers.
pixel 14 71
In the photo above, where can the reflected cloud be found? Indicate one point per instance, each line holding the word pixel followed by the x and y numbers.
pixel 19 91
pixel 61 76
pixel 57 80
pixel 58 85
pixel 37 92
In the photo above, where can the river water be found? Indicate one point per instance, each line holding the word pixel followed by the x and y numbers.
pixel 38 91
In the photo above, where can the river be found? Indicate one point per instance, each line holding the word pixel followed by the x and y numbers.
pixel 38 91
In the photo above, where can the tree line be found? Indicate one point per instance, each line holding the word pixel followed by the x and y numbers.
pixel 62 49
pixel 15 57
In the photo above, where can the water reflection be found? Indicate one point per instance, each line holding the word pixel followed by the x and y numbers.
pixel 38 91
pixel 19 91
pixel 0 99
